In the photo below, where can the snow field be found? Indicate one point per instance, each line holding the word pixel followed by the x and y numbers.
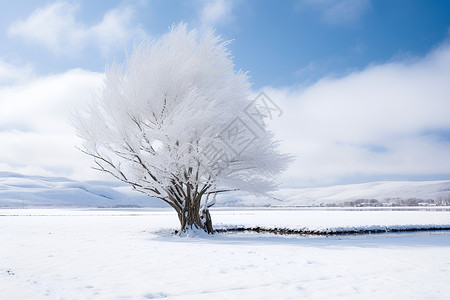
pixel 131 254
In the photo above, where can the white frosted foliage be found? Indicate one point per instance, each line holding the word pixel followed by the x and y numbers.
pixel 159 115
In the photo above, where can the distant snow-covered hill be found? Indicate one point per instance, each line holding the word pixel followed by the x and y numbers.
pixel 372 193
pixel 18 190
pixel 381 193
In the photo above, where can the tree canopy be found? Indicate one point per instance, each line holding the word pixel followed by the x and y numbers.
pixel 175 122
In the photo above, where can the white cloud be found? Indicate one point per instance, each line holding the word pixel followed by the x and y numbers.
pixel 55 27
pixel 387 120
pixel 115 29
pixel 216 12
pixel 34 132
pixel 336 11
pixel 12 74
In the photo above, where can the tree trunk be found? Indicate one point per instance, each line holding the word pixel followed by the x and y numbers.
pixel 194 218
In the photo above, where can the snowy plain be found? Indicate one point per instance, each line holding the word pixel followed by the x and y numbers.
pixel 132 254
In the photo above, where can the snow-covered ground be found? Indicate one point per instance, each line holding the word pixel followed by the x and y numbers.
pixel 131 254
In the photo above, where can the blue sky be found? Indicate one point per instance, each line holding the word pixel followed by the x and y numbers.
pixel 280 42
pixel 363 83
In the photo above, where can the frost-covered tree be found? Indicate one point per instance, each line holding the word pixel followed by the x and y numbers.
pixel 176 123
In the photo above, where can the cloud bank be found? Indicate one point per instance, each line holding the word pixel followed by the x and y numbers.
pixel 35 137
pixel 55 27
pixel 385 121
